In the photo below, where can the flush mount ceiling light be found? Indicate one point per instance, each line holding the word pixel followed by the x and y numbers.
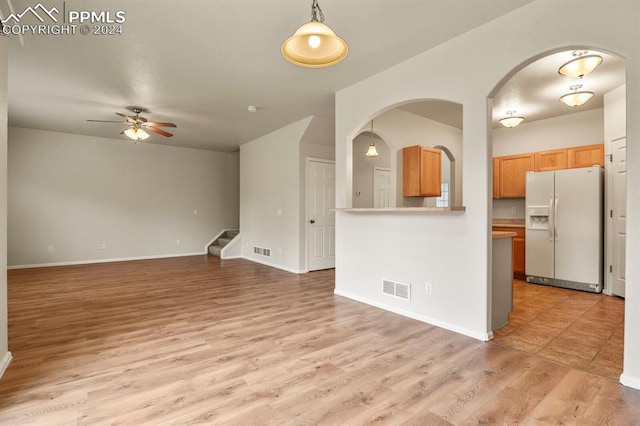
pixel 314 44
pixel 576 98
pixel 136 133
pixel 582 65
pixel 511 121
pixel 372 151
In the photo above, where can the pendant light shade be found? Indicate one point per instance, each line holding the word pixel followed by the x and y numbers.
pixel 372 151
pixel 314 44
pixel 581 65
pixel 511 121
pixel 576 98
pixel 136 133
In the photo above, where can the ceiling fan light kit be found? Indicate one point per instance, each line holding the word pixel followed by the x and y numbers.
pixel 139 125
pixel 314 44
pixel 136 133
pixel 511 121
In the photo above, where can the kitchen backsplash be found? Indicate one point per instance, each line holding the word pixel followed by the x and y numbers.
pixel 508 208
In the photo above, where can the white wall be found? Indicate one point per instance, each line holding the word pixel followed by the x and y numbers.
pixel 272 191
pixel 5 355
pixel 579 128
pixel 453 252
pixel 400 128
pixel 73 192
pixel 269 196
pixel 363 168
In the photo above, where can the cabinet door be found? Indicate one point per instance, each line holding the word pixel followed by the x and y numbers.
pixel 513 170
pixel 586 156
pixel 519 255
pixel 411 171
pixel 496 178
pixel 551 160
pixel 431 174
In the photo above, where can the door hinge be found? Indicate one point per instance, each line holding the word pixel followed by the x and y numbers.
pixel 610 158
pixel 611 213
pixel 610 268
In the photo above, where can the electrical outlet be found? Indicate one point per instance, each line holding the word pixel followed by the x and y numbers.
pixel 177 242
pixel 50 249
pixel 195 212
pixel 427 288
pixel 513 210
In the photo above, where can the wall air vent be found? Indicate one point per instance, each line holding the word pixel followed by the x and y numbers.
pixel 262 251
pixel 396 289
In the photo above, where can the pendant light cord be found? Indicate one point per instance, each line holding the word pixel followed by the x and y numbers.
pixel 316 12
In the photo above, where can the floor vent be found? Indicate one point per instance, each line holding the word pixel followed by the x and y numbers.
pixel 262 251
pixel 400 290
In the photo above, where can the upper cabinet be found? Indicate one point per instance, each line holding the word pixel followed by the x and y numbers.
pixel 586 156
pixel 509 172
pixel 551 160
pixel 421 172
pixel 512 174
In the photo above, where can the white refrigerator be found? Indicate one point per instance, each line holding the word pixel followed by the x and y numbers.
pixel 564 228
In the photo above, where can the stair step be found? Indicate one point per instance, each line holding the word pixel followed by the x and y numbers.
pixel 215 250
pixel 223 241
pixel 231 234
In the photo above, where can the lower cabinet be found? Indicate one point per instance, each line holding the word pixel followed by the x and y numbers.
pixel 518 250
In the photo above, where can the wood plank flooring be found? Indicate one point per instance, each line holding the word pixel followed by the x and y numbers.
pixel 580 329
pixel 197 340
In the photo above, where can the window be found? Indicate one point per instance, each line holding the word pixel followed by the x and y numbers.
pixel 443 199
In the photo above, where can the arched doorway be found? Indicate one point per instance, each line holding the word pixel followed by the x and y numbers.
pixel 545 321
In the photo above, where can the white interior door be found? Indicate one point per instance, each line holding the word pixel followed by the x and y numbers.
pixel 381 187
pixel 618 206
pixel 320 215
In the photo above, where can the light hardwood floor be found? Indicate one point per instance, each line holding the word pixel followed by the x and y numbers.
pixel 196 340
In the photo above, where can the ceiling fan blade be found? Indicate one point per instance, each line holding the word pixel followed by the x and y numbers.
pixel 107 121
pixel 159 131
pixel 159 124
pixel 126 117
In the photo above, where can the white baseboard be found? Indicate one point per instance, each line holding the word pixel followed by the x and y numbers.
pixel 92 261
pixel 273 265
pixel 631 382
pixel 6 359
pixel 461 330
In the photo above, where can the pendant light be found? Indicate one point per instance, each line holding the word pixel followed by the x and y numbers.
pixel 314 44
pixel 511 121
pixel 582 65
pixel 372 151
pixel 136 133
pixel 576 98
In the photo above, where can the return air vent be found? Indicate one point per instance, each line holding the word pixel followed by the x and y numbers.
pixel 262 251
pixel 400 290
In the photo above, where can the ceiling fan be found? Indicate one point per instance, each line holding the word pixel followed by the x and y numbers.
pixel 138 124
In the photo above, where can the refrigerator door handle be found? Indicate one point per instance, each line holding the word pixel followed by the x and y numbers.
pixel 555 218
pixel 551 220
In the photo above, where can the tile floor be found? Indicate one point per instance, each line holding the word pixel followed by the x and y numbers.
pixel 575 328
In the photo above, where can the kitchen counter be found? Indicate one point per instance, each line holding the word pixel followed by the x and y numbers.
pixel 502 234
pixel 501 290
pixel 508 223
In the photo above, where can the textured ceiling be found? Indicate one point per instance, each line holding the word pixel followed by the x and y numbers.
pixel 200 63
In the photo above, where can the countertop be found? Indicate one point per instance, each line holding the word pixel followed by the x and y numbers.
pixel 509 223
pixel 502 234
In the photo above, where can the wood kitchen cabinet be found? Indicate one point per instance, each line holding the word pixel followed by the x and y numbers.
pixel 518 250
pixel 496 178
pixel 551 160
pixel 512 174
pixel 421 172
pixel 586 156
